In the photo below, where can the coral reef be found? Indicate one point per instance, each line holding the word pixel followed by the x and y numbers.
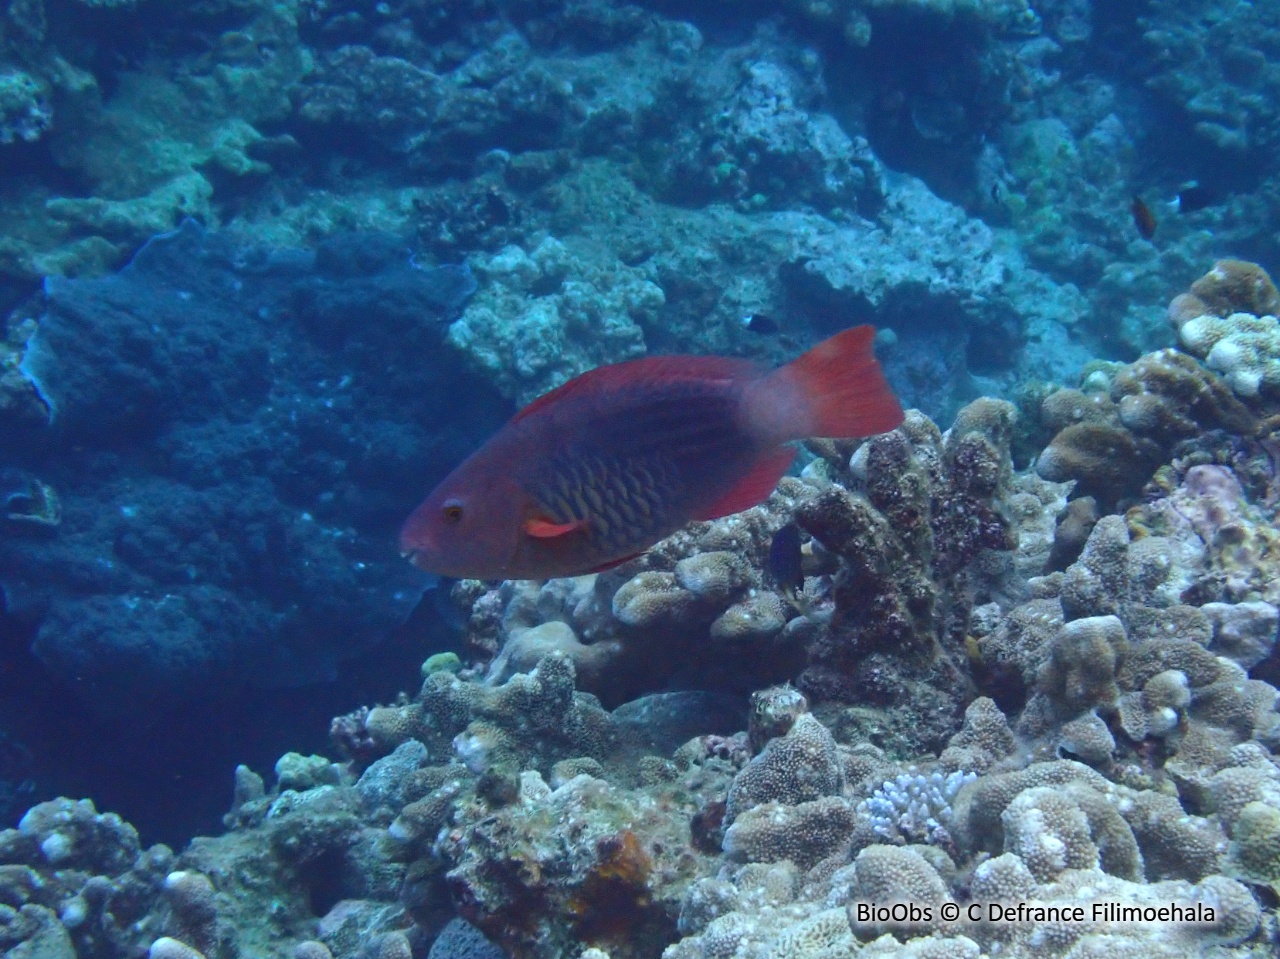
pixel 605 858
pixel 270 268
pixel 620 179
pixel 163 564
pixel 1123 751
pixel 904 544
pixel 1110 442
pixel 77 882
pixel 1222 106
pixel 1228 320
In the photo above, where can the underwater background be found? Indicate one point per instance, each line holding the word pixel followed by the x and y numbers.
pixel 270 270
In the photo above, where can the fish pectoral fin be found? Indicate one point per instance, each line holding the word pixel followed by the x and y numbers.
pixel 542 528
pixel 753 488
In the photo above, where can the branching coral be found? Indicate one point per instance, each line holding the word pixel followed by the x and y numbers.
pixel 915 806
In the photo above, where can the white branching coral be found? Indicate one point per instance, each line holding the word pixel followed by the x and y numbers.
pixel 915 805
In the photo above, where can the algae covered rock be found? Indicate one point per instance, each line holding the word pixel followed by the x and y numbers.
pixel 591 315
pixel 615 876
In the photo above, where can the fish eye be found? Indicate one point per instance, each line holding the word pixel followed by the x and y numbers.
pixel 452 511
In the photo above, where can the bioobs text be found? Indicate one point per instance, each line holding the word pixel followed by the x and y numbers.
pixel 910 913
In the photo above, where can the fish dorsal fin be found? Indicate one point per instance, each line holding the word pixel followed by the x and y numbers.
pixel 648 369
pixel 753 488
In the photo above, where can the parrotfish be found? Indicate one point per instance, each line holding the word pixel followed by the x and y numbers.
pixel 596 471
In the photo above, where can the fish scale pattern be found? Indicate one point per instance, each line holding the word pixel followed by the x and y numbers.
pixel 623 499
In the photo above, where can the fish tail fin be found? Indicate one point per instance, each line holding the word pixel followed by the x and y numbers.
pixel 837 389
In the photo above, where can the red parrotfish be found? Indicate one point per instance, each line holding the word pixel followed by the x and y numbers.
pixel 596 471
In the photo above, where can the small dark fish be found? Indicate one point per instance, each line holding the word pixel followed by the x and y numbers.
pixel 997 194
pixel 762 324
pixel 1194 197
pixel 1143 218
pixel 786 560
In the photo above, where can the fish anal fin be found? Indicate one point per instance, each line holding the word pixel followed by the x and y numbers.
pixel 614 563
pixel 753 488
pixel 540 528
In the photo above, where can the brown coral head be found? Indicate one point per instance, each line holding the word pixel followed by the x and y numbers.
pixel 1237 286
pixel 1184 307
pixel 1106 462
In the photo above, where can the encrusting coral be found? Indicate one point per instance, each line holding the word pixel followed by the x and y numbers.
pixel 1110 443
pixel 803 833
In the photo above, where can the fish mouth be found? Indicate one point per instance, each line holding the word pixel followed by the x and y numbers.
pixel 420 560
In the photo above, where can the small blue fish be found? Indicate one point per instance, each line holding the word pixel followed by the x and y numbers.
pixel 762 324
